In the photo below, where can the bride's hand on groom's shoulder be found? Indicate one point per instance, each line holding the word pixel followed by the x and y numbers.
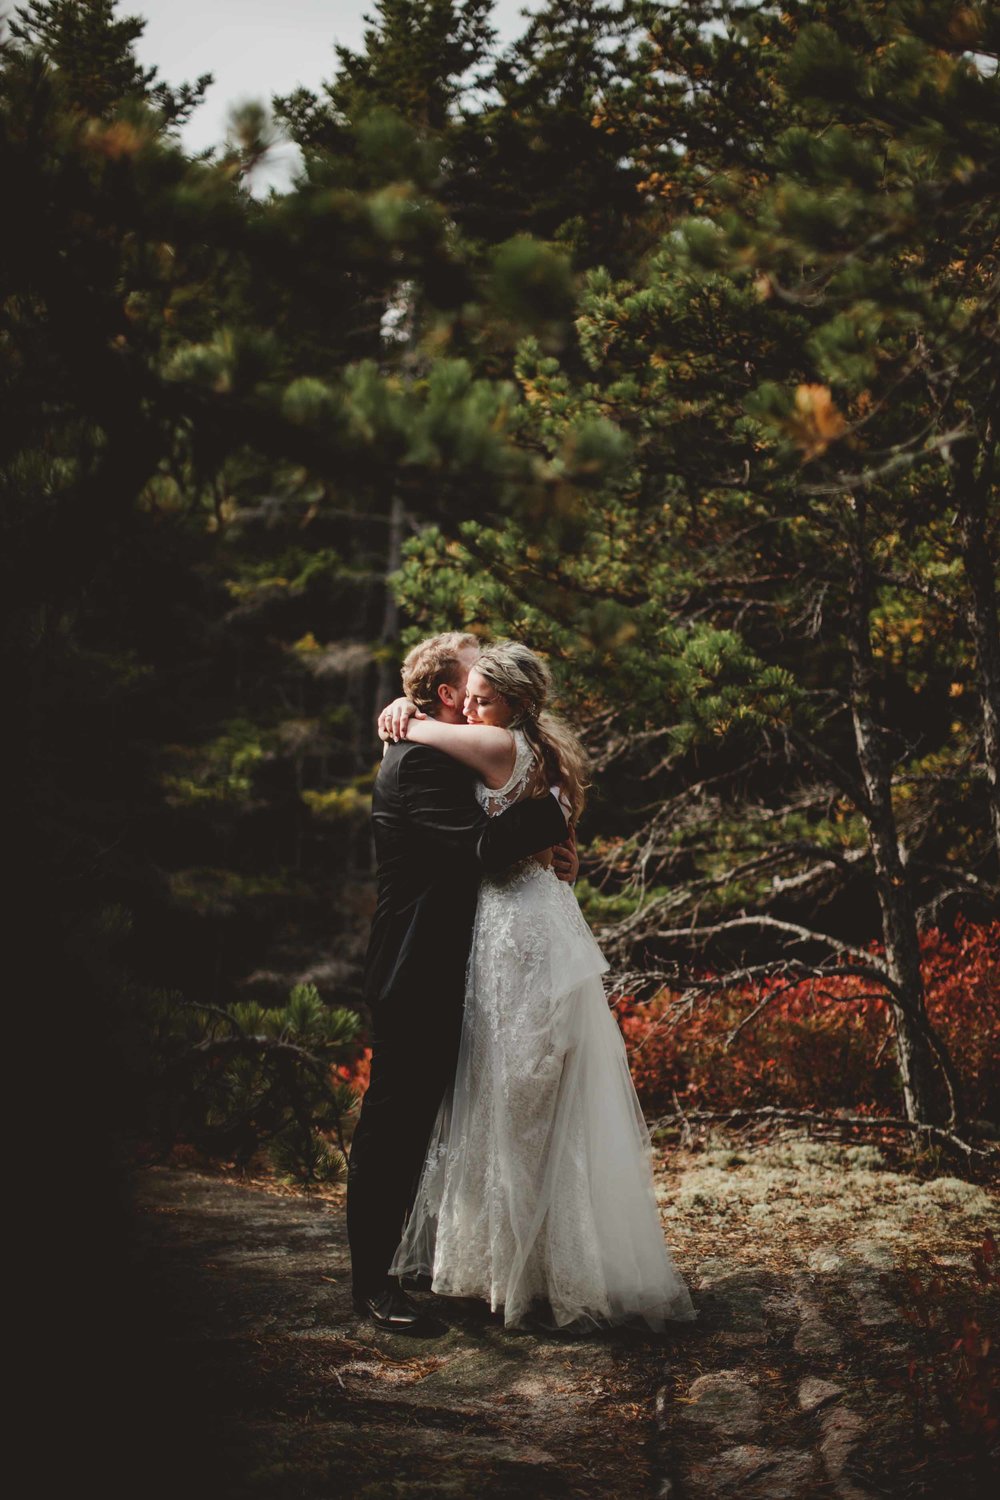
pixel 393 719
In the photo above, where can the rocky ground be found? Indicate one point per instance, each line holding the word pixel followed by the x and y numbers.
pixel 808 1373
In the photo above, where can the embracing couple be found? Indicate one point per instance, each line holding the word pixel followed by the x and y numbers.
pixel 501 1151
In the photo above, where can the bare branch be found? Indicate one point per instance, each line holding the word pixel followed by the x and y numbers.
pixel 810 1116
pixel 793 929
pixel 634 981
pixel 838 775
pixel 903 458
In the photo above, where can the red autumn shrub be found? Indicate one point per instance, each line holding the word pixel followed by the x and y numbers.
pixel 820 1044
pixel 962 975
pixel 357 1073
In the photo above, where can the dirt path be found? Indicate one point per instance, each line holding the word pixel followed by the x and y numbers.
pixel 791 1384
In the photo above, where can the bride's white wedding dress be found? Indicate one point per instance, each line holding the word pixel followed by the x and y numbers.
pixel 537 1189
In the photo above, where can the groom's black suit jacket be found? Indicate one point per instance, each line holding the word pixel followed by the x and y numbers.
pixel 433 844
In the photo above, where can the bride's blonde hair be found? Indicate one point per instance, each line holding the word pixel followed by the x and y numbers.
pixel 523 681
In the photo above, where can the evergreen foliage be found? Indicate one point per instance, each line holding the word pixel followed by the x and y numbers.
pixel 768 608
pixel 255 1077
pixel 92 51
pixel 664 338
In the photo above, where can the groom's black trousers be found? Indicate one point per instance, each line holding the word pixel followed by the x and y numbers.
pixel 433 844
pixel 409 1077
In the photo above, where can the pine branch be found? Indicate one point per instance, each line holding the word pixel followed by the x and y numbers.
pixel 251 1046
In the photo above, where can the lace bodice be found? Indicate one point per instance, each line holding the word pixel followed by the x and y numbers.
pixel 496 800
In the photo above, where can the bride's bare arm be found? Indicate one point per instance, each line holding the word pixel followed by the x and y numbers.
pixel 488 749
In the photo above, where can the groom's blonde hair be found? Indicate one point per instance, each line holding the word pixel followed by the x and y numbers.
pixel 433 662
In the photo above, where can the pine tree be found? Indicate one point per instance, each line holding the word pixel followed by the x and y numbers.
pixel 254 1079
pixel 93 52
pixel 721 442
pixel 418 61
pixel 551 150
pixel 193 466
pixel 755 595
pixel 534 140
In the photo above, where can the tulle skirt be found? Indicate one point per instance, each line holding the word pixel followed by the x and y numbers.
pixel 537 1190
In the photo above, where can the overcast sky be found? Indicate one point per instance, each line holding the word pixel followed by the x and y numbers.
pixel 255 48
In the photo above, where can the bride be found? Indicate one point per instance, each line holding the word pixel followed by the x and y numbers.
pixel 536 1191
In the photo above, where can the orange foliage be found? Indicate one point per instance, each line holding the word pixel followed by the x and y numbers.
pixel 820 1044
pixel 815 422
pixel 816 1045
pixel 358 1073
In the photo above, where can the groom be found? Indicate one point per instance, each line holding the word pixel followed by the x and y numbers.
pixel 433 843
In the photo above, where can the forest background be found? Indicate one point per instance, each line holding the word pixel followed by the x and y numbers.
pixel 665 339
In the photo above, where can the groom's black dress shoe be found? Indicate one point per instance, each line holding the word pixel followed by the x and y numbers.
pixel 392 1310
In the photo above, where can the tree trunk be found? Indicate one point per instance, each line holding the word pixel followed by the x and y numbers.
pixel 388 686
pixel 899 923
pixel 404 333
pixel 972 494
